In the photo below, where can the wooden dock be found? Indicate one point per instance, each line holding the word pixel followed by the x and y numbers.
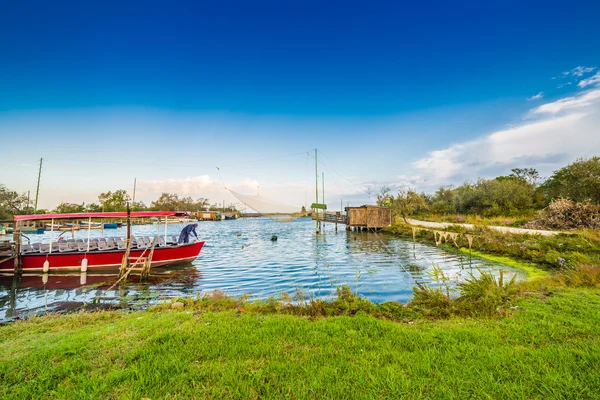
pixel 331 216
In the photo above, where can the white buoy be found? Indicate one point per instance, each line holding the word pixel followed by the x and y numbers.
pixel 46 266
pixel 44 278
pixel 84 263
pixel 83 278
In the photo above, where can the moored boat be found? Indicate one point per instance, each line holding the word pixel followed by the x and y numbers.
pixel 62 227
pixel 98 254
pixel 93 225
pixel 33 231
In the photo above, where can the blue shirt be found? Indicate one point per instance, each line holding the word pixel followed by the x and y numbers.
pixel 189 229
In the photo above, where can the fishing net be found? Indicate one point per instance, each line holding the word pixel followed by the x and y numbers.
pixel 269 208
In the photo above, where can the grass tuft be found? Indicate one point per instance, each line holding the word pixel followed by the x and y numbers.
pixel 485 294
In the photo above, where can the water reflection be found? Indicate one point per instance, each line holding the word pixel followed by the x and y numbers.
pixel 239 258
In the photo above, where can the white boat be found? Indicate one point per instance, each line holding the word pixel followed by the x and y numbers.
pixel 62 227
pixel 93 225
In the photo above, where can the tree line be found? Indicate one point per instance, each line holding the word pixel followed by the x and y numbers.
pixel 14 203
pixel 520 193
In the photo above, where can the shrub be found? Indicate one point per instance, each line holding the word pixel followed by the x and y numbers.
pixel 584 276
pixel 483 295
pixel 433 301
pixel 578 181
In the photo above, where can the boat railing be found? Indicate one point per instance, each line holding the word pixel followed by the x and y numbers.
pixel 96 244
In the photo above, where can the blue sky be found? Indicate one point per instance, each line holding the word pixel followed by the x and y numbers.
pixel 391 93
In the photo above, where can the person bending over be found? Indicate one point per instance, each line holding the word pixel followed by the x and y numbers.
pixel 184 237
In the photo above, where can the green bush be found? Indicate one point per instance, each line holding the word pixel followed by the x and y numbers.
pixel 432 301
pixel 578 181
pixel 483 295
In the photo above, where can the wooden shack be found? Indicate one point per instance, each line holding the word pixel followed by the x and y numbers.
pixel 368 217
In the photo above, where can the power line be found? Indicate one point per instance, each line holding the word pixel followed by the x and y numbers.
pixel 362 191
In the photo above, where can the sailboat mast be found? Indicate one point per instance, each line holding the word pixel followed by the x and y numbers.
pixel 134 185
pixel 37 191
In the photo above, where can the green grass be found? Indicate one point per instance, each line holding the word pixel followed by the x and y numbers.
pixel 512 221
pixel 557 253
pixel 533 270
pixel 548 348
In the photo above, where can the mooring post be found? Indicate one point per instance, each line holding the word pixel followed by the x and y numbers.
pixel 17 240
pixel 148 263
pixel 125 261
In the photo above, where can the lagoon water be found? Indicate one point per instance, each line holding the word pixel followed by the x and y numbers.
pixel 380 267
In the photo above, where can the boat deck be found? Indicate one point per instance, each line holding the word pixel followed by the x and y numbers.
pixel 97 244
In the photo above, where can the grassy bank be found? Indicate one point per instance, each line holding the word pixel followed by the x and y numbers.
pixel 552 253
pixel 498 339
pixel 547 348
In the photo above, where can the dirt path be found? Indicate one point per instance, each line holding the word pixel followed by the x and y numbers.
pixel 508 229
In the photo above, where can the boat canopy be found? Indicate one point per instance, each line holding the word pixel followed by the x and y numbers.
pixel 116 214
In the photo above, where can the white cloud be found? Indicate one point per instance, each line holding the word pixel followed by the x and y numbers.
pixel 593 80
pixel 537 96
pixel 583 100
pixel 564 130
pixel 564 84
pixel 579 71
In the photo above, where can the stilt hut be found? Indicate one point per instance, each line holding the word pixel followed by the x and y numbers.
pixel 368 217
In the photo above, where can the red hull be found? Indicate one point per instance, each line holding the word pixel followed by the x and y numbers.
pixel 105 260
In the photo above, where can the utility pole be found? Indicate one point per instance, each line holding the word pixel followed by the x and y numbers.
pixel 317 189
pixel 37 191
pixel 323 183
pixel 323 196
pixel 341 213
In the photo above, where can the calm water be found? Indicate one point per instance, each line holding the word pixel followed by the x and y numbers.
pixel 253 264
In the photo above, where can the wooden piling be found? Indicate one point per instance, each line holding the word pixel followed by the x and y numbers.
pixel 148 261
pixel 125 261
pixel 17 240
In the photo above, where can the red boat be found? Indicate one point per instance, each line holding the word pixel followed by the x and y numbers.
pixel 100 253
